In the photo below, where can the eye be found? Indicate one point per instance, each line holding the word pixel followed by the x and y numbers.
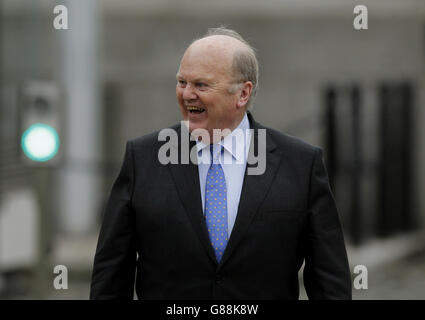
pixel 182 83
pixel 201 85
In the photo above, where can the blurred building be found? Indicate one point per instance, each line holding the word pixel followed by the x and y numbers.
pixel 360 95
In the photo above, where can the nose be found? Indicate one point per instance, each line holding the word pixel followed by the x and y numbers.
pixel 189 93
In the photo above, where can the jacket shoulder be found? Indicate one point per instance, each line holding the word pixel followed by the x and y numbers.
pixel 150 141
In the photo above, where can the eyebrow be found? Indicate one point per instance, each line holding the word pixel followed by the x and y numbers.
pixel 179 76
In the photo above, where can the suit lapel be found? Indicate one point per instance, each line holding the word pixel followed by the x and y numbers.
pixel 186 178
pixel 254 190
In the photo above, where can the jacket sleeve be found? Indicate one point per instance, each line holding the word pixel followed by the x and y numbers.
pixel 115 259
pixel 326 271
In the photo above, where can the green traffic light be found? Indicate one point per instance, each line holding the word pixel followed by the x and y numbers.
pixel 40 142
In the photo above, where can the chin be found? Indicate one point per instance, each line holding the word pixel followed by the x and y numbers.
pixel 194 126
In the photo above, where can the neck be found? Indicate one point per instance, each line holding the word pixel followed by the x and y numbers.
pixel 222 133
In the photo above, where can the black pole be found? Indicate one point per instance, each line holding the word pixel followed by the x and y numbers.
pixel 382 223
pixel 330 136
pixel 355 168
pixel 407 222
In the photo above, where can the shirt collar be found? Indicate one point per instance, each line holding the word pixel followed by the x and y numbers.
pixel 227 142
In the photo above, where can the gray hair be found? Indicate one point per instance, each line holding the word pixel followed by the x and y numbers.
pixel 245 64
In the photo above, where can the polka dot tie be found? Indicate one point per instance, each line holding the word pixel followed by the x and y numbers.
pixel 216 207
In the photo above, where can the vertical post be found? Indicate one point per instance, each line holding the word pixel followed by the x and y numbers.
pixel 80 181
pixel 356 170
pixel 330 105
pixel 406 100
pixel 382 223
pixel 2 281
pixel 42 184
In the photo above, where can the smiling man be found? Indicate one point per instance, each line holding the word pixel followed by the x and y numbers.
pixel 215 95
pixel 212 230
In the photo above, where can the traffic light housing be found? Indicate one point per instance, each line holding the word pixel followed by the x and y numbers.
pixel 41 121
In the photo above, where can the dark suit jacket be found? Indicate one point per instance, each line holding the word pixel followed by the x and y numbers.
pixel 154 223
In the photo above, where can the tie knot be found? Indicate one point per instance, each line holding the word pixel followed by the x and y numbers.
pixel 216 151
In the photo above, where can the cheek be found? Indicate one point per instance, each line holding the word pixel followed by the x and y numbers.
pixel 179 93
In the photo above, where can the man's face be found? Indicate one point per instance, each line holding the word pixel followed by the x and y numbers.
pixel 202 90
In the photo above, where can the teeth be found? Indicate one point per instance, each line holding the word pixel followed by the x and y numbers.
pixel 194 108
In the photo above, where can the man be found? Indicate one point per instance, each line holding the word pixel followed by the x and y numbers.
pixel 212 230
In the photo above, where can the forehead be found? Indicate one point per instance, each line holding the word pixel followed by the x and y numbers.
pixel 207 59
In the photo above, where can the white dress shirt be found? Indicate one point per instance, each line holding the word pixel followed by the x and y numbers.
pixel 233 161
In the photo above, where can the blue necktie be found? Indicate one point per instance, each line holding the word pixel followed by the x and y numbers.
pixel 216 207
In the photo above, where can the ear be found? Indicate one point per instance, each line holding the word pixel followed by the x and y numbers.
pixel 244 95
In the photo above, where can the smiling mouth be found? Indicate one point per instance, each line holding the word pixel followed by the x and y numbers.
pixel 194 109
